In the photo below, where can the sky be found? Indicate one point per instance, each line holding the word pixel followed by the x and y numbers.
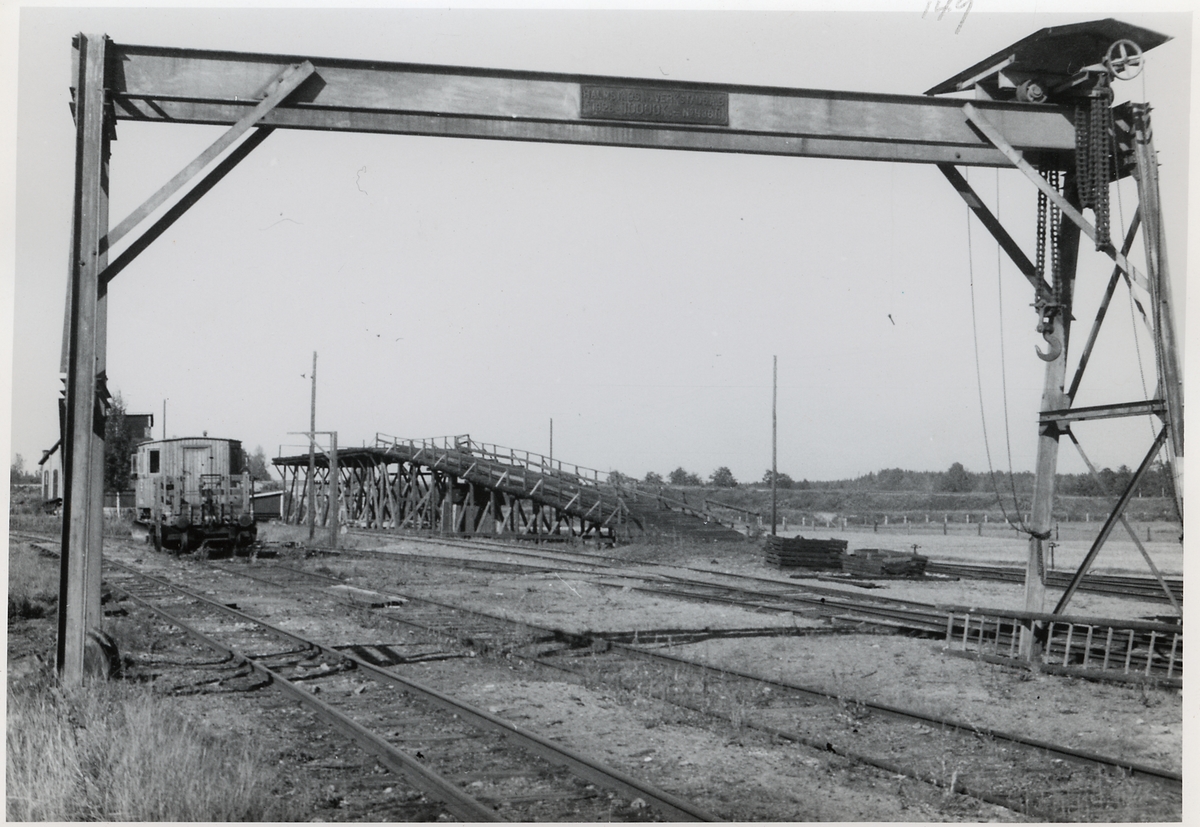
pixel 634 297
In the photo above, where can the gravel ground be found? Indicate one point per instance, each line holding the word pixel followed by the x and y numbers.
pixel 734 772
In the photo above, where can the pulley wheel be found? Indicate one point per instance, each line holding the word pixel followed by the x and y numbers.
pixel 1124 60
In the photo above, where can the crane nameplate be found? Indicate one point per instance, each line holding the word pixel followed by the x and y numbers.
pixel 640 103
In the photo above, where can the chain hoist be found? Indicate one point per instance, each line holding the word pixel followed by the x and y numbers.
pixel 1055 179
pixel 1040 248
pixel 1048 306
pixel 1094 130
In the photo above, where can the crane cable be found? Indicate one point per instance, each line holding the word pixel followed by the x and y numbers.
pixel 1137 345
pixel 1018 524
pixel 1003 359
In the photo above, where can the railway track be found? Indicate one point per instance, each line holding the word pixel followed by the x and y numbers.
pixel 1142 588
pixel 760 594
pixel 990 765
pixel 437 742
pixel 1147 650
pixel 1132 587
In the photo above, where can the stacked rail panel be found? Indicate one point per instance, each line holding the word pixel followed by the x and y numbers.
pixel 799 552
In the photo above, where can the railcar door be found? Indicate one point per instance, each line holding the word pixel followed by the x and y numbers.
pixel 197 461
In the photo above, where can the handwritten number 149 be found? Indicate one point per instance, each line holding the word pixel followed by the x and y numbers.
pixel 943 6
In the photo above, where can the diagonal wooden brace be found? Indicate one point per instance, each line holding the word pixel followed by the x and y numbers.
pixel 997 230
pixel 278 90
pixel 1113 517
pixel 1130 234
pixel 176 210
pixel 1132 534
pixel 1018 160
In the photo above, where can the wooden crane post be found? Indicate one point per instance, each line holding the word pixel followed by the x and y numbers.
pixel 1155 240
pixel 1053 399
pixel 86 397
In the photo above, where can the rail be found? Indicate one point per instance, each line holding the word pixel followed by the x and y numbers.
pixel 1120 586
pixel 455 799
pixel 623 648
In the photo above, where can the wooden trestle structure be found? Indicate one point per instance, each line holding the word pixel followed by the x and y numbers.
pixel 455 485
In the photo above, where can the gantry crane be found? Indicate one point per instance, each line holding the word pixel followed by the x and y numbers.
pixel 1043 106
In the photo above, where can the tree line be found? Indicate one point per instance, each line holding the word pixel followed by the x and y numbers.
pixel 955 479
pixel 120 443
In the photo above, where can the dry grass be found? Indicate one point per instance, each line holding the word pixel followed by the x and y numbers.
pixel 25 513
pixel 116 752
pixel 283 533
pixel 32 583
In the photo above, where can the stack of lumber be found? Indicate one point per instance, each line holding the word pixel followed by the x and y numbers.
pixel 797 552
pixel 881 562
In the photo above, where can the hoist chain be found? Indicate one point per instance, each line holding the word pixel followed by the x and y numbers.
pixel 1048 214
pixel 1055 213
pixel 1048 307
pixel 1094 131
pixel 1042 202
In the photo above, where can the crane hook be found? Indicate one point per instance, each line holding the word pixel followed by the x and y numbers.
pixel 1055 347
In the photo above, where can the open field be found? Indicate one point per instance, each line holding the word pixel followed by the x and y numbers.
pixel 1001 547
pixel 867 507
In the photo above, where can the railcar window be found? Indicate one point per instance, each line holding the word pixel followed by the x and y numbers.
pixel 154 462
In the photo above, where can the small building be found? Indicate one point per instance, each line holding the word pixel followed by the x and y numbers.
pixel 50 470
pixel 141 426
pixel 268 505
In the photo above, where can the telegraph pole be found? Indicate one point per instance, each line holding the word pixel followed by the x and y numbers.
pixel 334 479
pixel 774 434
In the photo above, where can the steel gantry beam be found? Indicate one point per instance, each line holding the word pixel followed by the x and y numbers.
pixel 190 86
pixel 1026 116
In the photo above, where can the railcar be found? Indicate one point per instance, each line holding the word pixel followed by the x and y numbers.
pixel 194 493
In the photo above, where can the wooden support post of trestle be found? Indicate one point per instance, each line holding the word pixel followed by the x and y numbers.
pixel 335 482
